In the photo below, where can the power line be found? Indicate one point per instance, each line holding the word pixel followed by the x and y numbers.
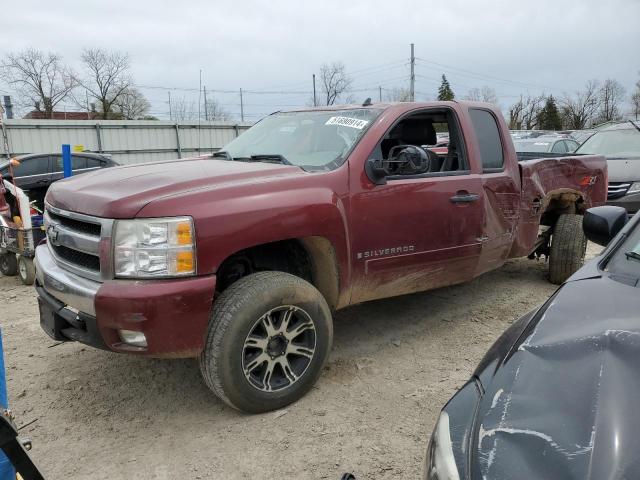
pixel 462 71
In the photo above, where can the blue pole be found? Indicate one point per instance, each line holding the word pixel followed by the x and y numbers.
pixel 66 160
pixel 6 469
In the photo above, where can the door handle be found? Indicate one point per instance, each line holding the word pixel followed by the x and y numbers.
pixel 465 197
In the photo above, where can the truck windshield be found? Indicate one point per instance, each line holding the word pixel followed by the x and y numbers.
pixel 312 140
pixel 620 143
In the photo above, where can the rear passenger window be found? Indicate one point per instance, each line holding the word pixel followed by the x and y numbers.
pixel 488 139
pixel 77 163
pixel 93 163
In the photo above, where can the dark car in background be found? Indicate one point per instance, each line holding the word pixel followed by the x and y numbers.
pixel 546 144
pixel 39 170
pixel 556 397
pixel 620 144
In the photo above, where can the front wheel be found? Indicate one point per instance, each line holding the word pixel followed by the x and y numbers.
pixel 8 264
pixel 269 336
pixel 568 247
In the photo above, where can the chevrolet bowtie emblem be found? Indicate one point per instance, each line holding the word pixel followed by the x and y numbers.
pixel 52 234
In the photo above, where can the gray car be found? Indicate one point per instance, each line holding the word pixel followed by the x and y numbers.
pixel 39 170
pixel 620 144
pixel 546 144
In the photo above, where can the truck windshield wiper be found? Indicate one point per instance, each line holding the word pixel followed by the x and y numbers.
pixel 222 154
pixel 633 256
pixel 267 157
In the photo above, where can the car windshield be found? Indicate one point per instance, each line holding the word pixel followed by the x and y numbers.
pixel 537 146
pixel 312 140
pixel 620 143
pixel 626 260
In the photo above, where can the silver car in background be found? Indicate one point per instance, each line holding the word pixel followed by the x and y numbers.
pixel 620 144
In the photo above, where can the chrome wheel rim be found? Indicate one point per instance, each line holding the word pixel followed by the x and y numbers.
pixel 23 269
pixel 279 348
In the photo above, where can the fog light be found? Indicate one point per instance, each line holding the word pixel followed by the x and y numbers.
pixel 130 337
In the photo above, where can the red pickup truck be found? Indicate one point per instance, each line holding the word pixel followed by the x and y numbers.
pixel 240 259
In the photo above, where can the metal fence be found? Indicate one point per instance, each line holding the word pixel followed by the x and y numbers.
pixel 131 141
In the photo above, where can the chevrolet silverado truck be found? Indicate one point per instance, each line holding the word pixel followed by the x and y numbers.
pixel 240 258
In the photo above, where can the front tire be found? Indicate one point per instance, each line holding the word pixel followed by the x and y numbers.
pixel 568 247
pixel 8 264
pixel 269 336
pixel 26 270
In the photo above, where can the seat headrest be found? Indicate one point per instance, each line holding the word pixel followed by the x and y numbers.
pixel 418 132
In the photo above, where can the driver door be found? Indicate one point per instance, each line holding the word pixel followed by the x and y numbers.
pixel 415 234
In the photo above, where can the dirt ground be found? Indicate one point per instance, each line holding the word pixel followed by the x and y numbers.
pixel 395 362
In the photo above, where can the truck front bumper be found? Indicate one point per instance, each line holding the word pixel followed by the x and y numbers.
pixel 173 314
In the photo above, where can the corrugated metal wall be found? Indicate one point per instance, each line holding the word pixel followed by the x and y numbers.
pixel 131 141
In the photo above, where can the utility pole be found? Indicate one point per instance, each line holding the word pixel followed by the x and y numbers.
pixel 170 116
pixel 241 107
pixel 380 94
pixel 412 85
pixel 206 107
pixel 315 103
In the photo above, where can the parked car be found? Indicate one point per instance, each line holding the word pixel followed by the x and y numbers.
pixel 547 144
pixel 556 396
pixel 39 170
pixel 239 259
pixel 620 144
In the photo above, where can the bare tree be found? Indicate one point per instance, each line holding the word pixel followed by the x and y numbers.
pixel 183 110
pixel 578 111
pixel 397 94
pixel 484 94
pixel 107 78
pixel 635 101
pixel 611 95
pixel 524 113
pixel 334 81
pixel 40 77
pixel 215 111
pixel 131 105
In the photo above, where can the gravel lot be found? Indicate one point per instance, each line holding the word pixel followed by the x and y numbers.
pixel 98 415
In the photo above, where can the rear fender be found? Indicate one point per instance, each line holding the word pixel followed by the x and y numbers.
pixel 564 185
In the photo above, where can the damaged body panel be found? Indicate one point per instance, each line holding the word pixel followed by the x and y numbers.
pixel 560 388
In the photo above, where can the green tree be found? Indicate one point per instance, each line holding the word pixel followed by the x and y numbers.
pixel 549 116
pixel 444 91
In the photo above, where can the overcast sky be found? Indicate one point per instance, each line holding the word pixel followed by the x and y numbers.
pixel 275 46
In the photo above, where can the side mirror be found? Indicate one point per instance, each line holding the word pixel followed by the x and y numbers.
pixel 602 224
pixel 376 170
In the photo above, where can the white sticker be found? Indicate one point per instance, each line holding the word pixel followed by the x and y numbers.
pixel 347 122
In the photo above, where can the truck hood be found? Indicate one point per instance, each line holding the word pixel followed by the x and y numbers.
pixel 563 404
pixel 624 169
pixel 121 192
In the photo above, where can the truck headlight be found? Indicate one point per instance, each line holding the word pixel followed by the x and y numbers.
pixel 634 188
pixel 154 247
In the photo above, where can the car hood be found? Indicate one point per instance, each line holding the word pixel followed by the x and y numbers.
pixel 623 169
pixel 121 192
pixel 564 402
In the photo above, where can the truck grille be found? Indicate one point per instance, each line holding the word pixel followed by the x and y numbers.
pixel 617 190
pixel 75 241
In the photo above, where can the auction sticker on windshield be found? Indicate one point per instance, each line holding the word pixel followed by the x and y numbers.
pixel 347 122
